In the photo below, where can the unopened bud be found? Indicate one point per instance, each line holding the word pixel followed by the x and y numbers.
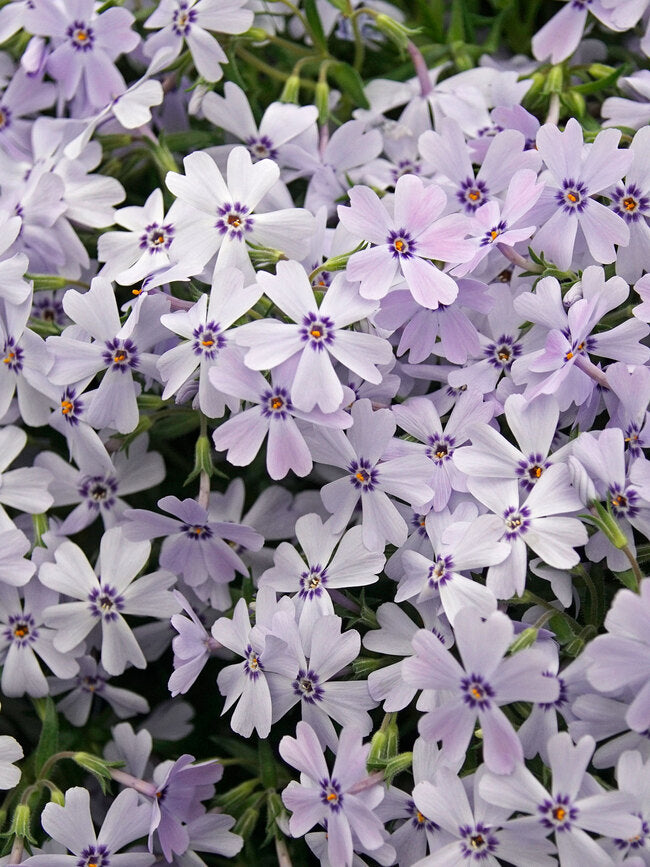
pixel 554 80
pixel 526 638
pixel 321 101
pixel 233 800
pixel 574 103
pixel 247 822
pixel 395 31
pixel 21 823
pixel 291 90
pixel 601 70
pixel 397 764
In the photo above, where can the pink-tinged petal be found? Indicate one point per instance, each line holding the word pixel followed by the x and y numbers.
pixel 428 285
pixel 561 151
pixel 445 240
pixel 556 239
pixel 523 193
pixel 289 289
pixel 366 218
pixel 502 749
pixel 269 343
pixel 242 435
pixel 602 229
pixel 315 383
pixel 287 450
pixel 375 268
pixel 560 36
pixel 417 206
pixel 304 752
pixel 606 163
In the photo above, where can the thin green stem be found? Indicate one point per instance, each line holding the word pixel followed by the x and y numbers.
pixel 636 570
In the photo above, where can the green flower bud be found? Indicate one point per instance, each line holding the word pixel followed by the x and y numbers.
pixel 234 800
pixel 554 80
pixel 321 101
pixel 526 638
pixel 246 823
pixel 21 823
pixel 291 90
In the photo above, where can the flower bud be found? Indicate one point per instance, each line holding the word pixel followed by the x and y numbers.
pixel 21 823
pixel 321 101
pixel 247 822
pixel 291 90
pixel 554 80
pixel 395 31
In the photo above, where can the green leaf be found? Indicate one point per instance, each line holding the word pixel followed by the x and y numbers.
pixel 600 83
pixel 315 24
pixel 48 743
pixel 350 82
pixel 341 5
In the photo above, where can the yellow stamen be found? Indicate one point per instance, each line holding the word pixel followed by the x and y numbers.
pixel 474 195
pixel 21 631
pixel 277 403
pixel 572 197
pixel 494 234
pixel 234 220
pixel 136 291
pixel 568 356
pixel 360 476
pixel 559 813
pixel 119 357
pixel 81 35
pixel 418 815
pixel 315 332
pixel 536 471
pixel 66 406
pixel 332 796
pixel 9 358
pixel 207 343
pixel 629 204
pixel 399 245
pixel 476 692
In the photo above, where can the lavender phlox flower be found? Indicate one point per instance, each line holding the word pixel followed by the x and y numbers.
pixel 394 637
pixel 280 123
pixel 211 833
pixel 24 638
pixel 194 546
pixel 482 831
pixel 631 201
pixel 13 287
pixel 12 18
pixel 404 241
pixel 105 597
pixel 627 401
pixel 25 364
pixel 331 165
pixel 25 488
pixel 134 750
pixel 212 214
pixel 296 677
pixel 632 775
pixel 315 335
pixel 418 833
pixel 273 413
pixel 493 224
pixel 118 350
pixel 101 482
pixel 535 523
pixel 321 568
pixel 369 478
pixel 339 800
pixel 204 330
pixel 419 418
pixel 86 45
pixel 633 112
pixel 447 151
pixel 92 680
pixel 576 174
pixel 245 682
pixel 192 22
pixel 25 94
pixel 560 36
pixel 565 810
pixel 144 248
pixel 516 117
pixel 477 689
pixel 15 569
pixel 622 657
pixel 126 821
pixel 642 288
pixel 603 457
pixel 604 718
pixel 192 647
pixel 533 425
pixel 459 545
pixel 10 752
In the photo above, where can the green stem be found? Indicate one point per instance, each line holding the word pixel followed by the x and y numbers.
pixel 638 575
pixel 49 764
pixel 276 74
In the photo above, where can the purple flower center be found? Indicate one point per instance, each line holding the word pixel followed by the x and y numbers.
pixel 21 629
pixel 234 220
pixel 197 532
pixel 401 244
pixel 635 442
pixel 363 475
pixel 183 20
pixel 440 448
pixel 405 167
pixel 81 36
pixel 638 842
pixel 516 521
pixel 330 794
pixel 419 523
pixel 252 663
pixel 105 602
pixel 441 572
pixel 477 843
pixel 276 403
pixel 312 582
pixel 208 340
pixel 121 355
pixel 91 683
pixel 419 821
pixel 572 197
pixel 562 698
pixel 306 686
pixel 48 308
pixel 629 202
pixel 94 856
pixel 261 148
pixel 71 406
pixel 13 356
pixel 502 352
pixel 624 501
pixel 477 692
pixel 317 331
pixel 531 469
pixel 156 238
pixel 98 491
pixel 580 4
pixel 5 117
pixel 558 813
pixel 491 236
pixel 472 194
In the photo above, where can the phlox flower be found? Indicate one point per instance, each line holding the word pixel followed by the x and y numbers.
pixel 344 800
pixel 71 824
pixel 10 752
pixel 405 241
pixel 316 335
pixel 631 201
pixel 25 488
pixel 191 22
pixel 478 688
pixel 634 112
pixel 104 598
